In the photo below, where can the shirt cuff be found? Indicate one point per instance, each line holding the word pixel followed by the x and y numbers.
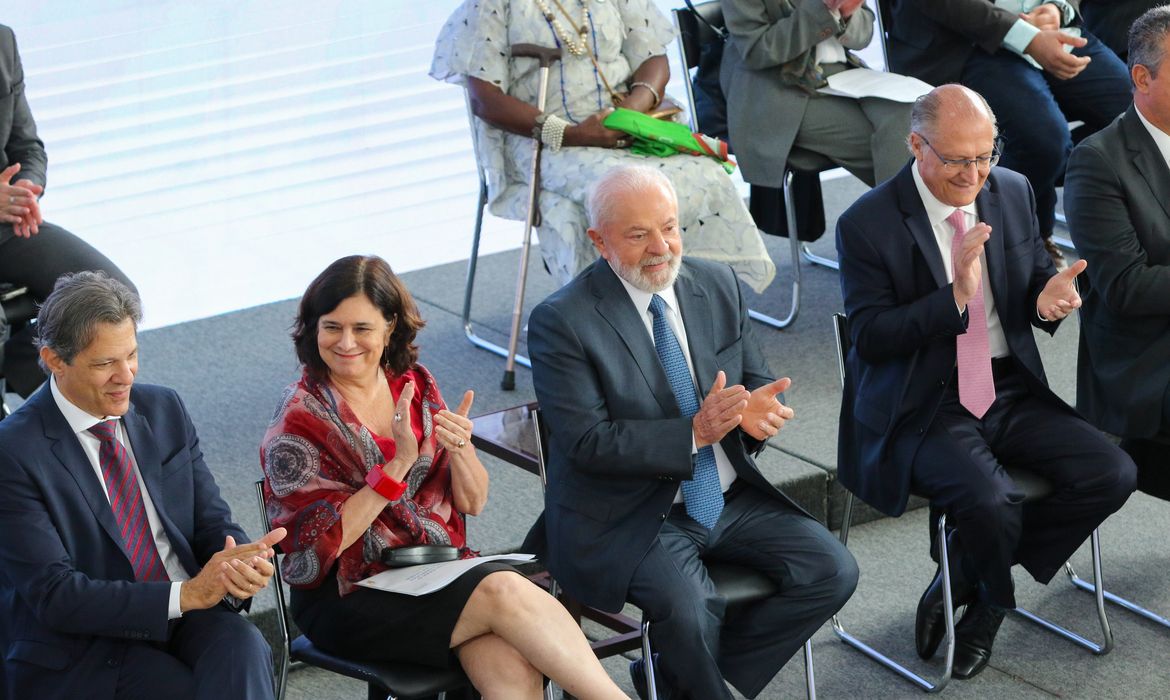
pixel 1019 36
pixel 174 609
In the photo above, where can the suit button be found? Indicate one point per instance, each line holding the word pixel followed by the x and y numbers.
pixel 942 382
pixel 662 517
pixel 826 33
pixel 112 663
pixel 921 431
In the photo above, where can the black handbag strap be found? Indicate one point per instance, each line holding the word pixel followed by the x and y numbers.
pixel 720 32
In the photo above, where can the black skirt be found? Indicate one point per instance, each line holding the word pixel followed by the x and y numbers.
pixel 380 626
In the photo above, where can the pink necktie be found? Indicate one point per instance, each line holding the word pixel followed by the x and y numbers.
pixel 976 382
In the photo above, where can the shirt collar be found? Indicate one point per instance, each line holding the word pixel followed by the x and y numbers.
pixel 78 419
pixel 641 298
pixel 936 211
pixel 1161 138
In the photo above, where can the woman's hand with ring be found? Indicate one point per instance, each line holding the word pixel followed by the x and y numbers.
pixel 405 443
pixel 454 428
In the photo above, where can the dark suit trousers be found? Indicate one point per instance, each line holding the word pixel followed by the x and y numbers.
pixel 1151 456
pixel 212 654
pixel 960 469
pixel 36 263
pixel 698 645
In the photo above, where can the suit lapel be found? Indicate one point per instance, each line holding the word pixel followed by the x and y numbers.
pixel 145 446
pixel 67 449
pixel 918 223
pixel 1147 158
pixel 696 316
pixel 615 307
pixel 991 213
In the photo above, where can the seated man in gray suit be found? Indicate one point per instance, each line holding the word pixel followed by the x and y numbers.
pixel 651 478
pixel 1117 195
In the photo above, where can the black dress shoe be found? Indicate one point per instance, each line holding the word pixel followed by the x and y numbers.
pixel 930 624
pixel 638 677
pixel 974 636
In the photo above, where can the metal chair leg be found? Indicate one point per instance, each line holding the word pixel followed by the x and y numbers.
pixel 794 245
pixel 468 290
pixel 648 662
pixel 1115 599
pixel 1061 241
pixel 807 254
pixel 810 677
pixel 1107 634
pixel 948 610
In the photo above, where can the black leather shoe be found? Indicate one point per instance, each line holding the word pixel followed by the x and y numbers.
pixel 638 677
pixel 930 625
pixel 974 636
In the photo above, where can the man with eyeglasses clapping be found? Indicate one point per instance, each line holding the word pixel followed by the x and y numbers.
pixel 944 276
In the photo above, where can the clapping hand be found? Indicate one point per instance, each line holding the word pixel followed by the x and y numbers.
pixel 968 269
pixel 454 428
pixel 764 415
pixel 240 570
pixel 1060 297
pixel 721 411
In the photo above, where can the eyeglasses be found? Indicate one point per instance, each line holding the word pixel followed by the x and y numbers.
pixel 953 165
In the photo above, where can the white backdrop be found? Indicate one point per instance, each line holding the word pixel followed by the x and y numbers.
pixel 223 152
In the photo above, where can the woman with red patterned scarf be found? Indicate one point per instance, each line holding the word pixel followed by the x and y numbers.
pixel 364 455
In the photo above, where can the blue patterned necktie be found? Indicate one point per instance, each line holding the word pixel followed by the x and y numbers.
pixel 703 495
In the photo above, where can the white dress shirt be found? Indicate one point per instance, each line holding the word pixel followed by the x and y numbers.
pixel 80 422
pixel 831 50
pixel 641 301
pixel 1161 138
pixel 938 212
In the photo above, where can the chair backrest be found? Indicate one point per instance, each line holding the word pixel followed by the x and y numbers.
pixel 697 25
pixel 841 330
pixel 885 21
pixel 277 581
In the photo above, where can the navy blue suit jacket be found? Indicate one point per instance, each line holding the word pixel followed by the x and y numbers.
pixel 903 322
pixel 69 605
pixel 619 445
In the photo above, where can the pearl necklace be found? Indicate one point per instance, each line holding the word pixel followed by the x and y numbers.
pixel 576 46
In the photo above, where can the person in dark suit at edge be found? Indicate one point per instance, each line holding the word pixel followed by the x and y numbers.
pixel 657 397
pixel 944 276
pixel 121 571
pixel 1117 195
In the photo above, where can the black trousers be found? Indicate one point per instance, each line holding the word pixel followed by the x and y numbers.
pixel 36 263
pixel 960 468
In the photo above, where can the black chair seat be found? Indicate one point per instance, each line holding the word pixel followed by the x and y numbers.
pixel 401 680
pixel 739 584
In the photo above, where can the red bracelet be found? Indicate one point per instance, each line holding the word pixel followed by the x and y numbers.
pixel 388 488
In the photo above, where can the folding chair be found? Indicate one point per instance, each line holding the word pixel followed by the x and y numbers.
pixel 384 680
pixel 737 584
pixel 1034 488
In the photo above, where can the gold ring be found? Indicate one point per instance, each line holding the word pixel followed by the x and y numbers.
pixel 397 417
pixel 461 442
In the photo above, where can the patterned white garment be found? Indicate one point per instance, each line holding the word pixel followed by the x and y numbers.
pixel 474 42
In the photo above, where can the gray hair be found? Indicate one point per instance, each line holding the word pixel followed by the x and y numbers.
pixel 931 109
pixel 68 318
pixel 602 195
pixel 1146 36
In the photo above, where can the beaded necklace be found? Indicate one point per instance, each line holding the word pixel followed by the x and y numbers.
pixel 576 46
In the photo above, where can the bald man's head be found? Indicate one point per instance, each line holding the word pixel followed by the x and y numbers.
pixel 953 139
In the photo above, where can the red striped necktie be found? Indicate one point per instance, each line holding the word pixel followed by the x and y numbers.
pixel 126 501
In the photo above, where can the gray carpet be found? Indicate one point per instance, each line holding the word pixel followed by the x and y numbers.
pixel 231 369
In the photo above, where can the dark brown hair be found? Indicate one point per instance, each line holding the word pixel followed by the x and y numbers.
pixel 371 276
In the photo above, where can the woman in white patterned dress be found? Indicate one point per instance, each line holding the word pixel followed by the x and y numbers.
pixel 607 44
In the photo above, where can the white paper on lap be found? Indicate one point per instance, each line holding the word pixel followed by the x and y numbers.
pixel 428 578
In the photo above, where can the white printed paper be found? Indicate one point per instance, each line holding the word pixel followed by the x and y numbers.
pixel 865 82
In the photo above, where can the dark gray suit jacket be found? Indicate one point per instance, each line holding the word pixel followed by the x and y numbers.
pixel 1117 197
pixel 619 445
pixel 18 131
